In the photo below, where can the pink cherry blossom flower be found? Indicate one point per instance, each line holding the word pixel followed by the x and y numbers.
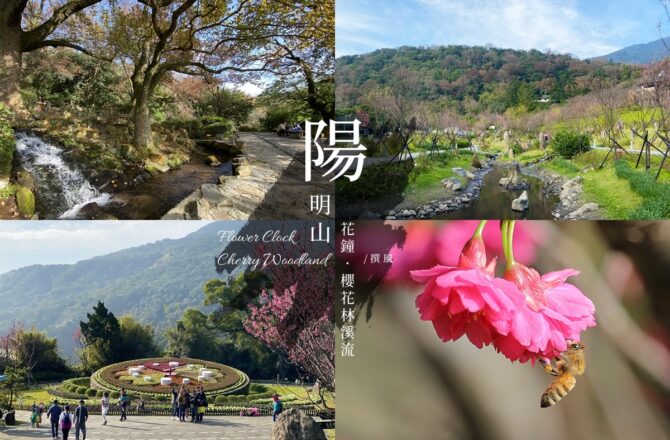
pixel 525 316
pixel 549 312
pixel 463 300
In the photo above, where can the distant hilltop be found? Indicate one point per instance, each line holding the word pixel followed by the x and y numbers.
pixel 646 53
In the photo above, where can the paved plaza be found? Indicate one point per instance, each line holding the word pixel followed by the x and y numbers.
pixel 154 428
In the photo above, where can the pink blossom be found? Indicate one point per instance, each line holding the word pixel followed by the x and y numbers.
pixel 525 316
pixel 549 312
pixel 463 299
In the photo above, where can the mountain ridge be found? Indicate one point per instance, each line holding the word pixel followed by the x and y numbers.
pixel 641 53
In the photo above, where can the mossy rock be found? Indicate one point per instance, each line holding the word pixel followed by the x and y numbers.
pixel 25 199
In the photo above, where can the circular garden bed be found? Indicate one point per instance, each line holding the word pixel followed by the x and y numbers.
pixel 157 376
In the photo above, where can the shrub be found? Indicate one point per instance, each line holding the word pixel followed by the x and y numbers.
pixel 255 388
pixel 220 400
pixel 81 390
pixel 91 392
pixel 114 394
pixel 7 143
pixel 567 143
pixel 99 393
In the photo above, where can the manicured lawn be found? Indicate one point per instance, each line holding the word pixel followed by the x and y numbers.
pixel 613 194
pixel 36 395
pixel 526 156
pixel 429 172
pixel 301 393
pixel 562 166
pixel 426 177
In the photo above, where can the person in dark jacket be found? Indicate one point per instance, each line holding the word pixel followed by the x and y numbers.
pixel 54 414
pixel 80 418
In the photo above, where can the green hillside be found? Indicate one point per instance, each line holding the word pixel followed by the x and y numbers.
pixel 154 282
pixel 473 79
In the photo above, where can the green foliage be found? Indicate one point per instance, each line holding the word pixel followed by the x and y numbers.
pixel 284 106
pixel 562 166
pixel 613 194
pixel 220 400
pixel 568 143
pixel 137 340
pixel 656 195
pixel 256 388
pixel 375 182
pixel 91 392
pixel 102 334
pixel 36 349
pixel 114 394
pixel 15 378
pixel 228 104
pixel 65 78
pixel 81 391
pixel 7 142
pixel 493 79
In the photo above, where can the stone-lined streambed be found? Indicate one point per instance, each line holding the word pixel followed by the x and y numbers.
pixel 63 191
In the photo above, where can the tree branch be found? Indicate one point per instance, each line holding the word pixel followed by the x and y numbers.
pixel 32 38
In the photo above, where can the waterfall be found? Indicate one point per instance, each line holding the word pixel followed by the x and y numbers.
pixel 61 189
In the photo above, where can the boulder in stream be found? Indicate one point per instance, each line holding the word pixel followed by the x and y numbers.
pixel 521 203
pixel 452 184
pixel 463 172
pixel 212 161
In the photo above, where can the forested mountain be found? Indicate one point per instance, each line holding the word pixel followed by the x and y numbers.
pixel 153 282
pixel 473 78
pixel 646 53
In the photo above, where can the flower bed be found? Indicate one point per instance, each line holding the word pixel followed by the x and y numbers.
pixel 221 379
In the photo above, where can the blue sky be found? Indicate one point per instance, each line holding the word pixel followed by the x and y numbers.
pixel 584 28
pixel 61 242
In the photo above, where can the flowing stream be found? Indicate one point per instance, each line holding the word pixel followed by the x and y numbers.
pixel 495 201
pixel 61 190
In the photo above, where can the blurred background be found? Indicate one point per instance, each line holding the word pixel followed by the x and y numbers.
pixel 404 383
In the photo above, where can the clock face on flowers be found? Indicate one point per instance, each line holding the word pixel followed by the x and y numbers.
pixel 159 375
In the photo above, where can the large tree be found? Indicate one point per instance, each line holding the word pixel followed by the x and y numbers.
pixel 299 39
pixel 26 26
pixel 102 335
pixel 137 339
pixel 157 38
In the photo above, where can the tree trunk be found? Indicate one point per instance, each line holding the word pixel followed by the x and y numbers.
pixel 313 99
pixel 143 137
pixel 10 65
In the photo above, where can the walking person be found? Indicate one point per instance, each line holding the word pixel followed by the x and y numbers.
pixel 33 415
pixel 80 418
pixel 277 407
pixel 181 404
pixel 104 407
pixel 175 403
pixel 40 411
pixel 124 402
pixel 65 422
pixel 203 405
pixel 53 414
pixel 194 406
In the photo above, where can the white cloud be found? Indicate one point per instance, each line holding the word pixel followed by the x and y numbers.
pixel 558 25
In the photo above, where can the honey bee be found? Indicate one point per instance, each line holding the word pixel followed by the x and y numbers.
pixel 570 364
